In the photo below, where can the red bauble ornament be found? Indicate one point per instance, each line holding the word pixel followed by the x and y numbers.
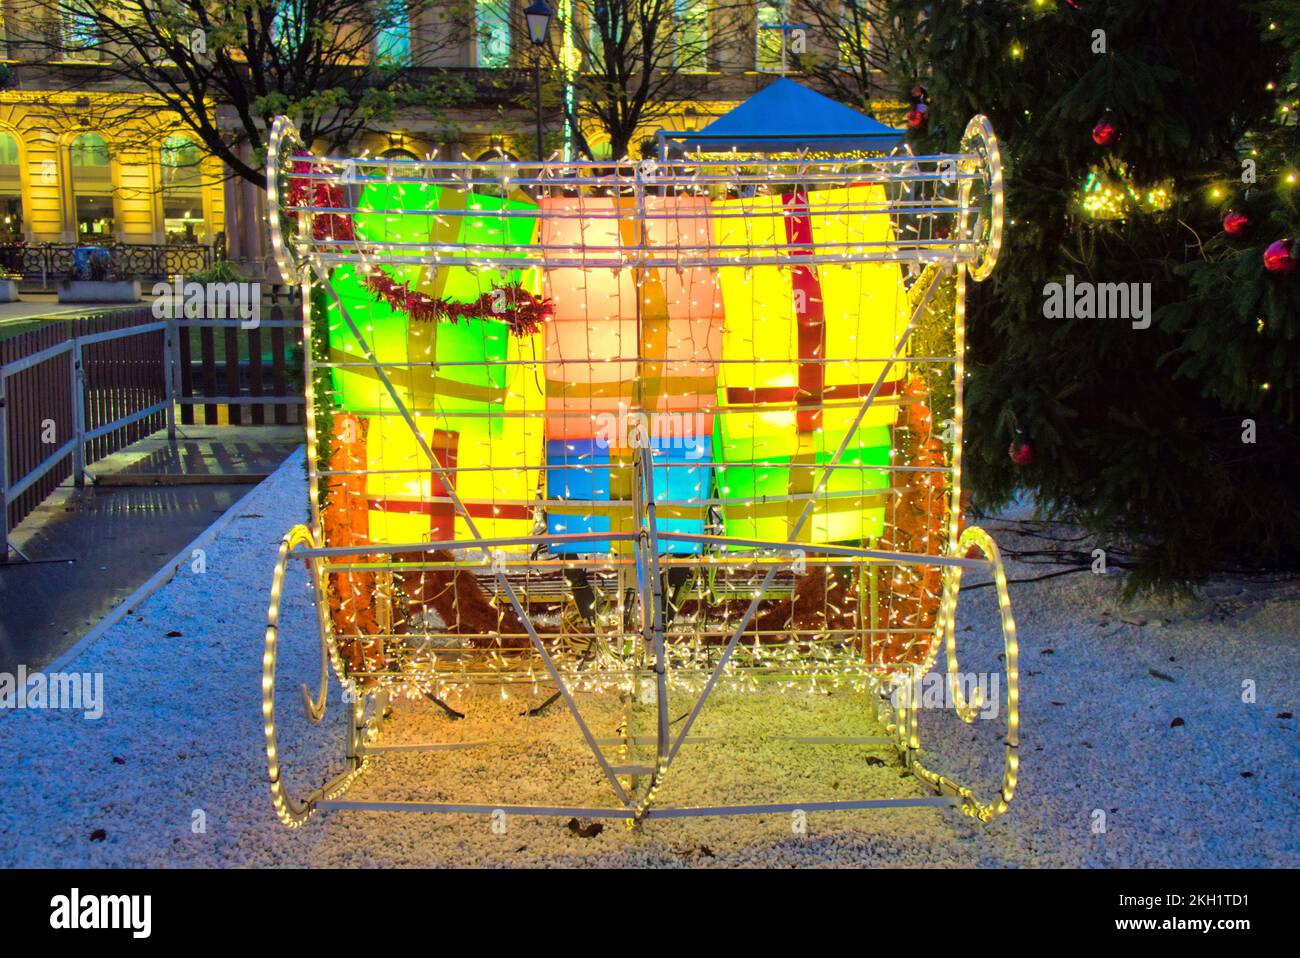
pixel 1235 224
pixel 1021 453
pixel 1280 257
pixel 915 119
pixel 1105 133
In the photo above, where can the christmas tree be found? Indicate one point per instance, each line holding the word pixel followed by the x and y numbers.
pixel 1146 142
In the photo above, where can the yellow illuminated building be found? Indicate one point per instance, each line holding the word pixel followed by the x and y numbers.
pixel 85 158
pixel 85 167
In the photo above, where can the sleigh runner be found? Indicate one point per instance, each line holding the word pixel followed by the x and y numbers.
pixel 632 428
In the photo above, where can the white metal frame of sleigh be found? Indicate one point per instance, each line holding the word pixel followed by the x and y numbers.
pixel 642 430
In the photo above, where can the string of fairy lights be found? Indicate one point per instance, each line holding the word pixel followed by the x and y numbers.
pixel 316 380
pixel 764 311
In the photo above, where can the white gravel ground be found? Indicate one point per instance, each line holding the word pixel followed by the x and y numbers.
pixel 181 735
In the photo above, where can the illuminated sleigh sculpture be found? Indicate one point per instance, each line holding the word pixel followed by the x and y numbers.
pixel 629 429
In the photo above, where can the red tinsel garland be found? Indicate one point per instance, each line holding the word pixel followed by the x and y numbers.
pixel 523 312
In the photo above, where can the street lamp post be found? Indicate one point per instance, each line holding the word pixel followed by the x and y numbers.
pixel 537 16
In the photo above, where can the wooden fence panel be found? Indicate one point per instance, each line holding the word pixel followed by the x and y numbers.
pixel 38 408
pixel 231 357
pixel 208 357
pixel 234 366
pixel 279 376
pixel 186 379
pixel 258 411
pixel 124 377
pixel 121 377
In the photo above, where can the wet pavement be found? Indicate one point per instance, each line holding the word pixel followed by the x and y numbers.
pixel 91 548
pixel 200 454
pixel 36 309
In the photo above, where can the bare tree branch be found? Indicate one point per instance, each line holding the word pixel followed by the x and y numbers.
pixel 629 62
pixel 849 45
pixel 225 68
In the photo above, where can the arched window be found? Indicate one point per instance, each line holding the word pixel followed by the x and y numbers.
pixel 11 191
pixel 496 154
pixel 182 191
pixel 92 187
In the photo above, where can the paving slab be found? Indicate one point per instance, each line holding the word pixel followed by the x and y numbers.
pixel 200 455
pixel 88 549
